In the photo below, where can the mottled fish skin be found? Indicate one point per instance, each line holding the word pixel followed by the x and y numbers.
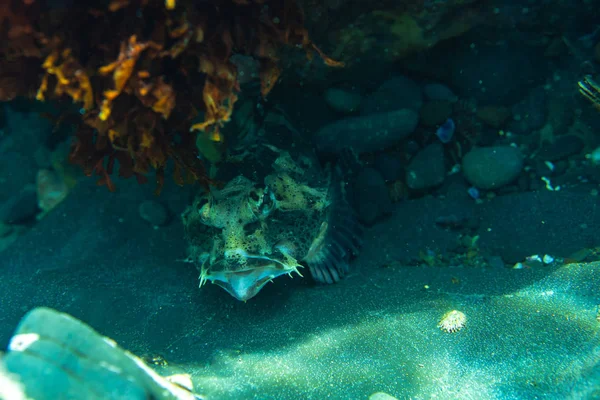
pixel 247 234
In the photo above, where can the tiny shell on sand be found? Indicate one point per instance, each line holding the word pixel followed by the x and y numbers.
pixel 452 321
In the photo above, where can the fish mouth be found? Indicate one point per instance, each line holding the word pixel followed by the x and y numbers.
pixel 245 279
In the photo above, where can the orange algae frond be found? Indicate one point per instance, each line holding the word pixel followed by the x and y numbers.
pixel 116 5
pixel 326 59
pixel 71 79
pixel 143 71
pixel 165 98
pixel 219 107
pixel 122 70
pixel 269 75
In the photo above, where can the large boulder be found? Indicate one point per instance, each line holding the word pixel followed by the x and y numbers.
pixel 427 169
pixel 367 133
pixel 492 167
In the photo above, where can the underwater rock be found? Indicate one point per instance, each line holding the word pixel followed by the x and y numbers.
pixel 21 207
pixel 371 196
pixel 5 230
pixel 16 170
pixel 495 74
pixel 51 189
pixel 530 113
pixel 446 131
pixel 494 116
pixel 383 33
pixel 154 213
pixel 411 147
pixel 562 147
pixel 389 166
pixel 248 68
pixel 367 133
pixel 440 92
pixel 492 167
pixel 473 193
pixel 455 188
pixel 342 101
pixel 435 112
pixel 452 221
pixel 495 261
pixel 91 366
pixel 394 94
pixel 427 169
pixel 561 106
pixel 29 128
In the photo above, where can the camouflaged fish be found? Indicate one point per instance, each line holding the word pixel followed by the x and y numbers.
pixel 248 233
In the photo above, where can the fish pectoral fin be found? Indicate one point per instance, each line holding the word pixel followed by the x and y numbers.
pixel 327 269
pixel 339 239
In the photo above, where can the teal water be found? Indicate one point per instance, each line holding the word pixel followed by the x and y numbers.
pixel 428 170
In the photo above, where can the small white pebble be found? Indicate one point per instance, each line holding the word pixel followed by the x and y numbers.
pixel 549 185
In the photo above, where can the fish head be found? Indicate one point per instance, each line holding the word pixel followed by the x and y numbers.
pixel 247 234
pixel 243 246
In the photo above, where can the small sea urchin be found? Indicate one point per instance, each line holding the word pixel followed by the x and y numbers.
pixel 452 321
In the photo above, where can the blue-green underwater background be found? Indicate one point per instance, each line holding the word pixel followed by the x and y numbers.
pixel 473 129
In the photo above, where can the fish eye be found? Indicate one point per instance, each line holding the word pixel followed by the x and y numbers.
pixel 253 195
pixel 268 197
pixel 203 207
pixel 267 203
pixel 251 228
pixel 202 202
